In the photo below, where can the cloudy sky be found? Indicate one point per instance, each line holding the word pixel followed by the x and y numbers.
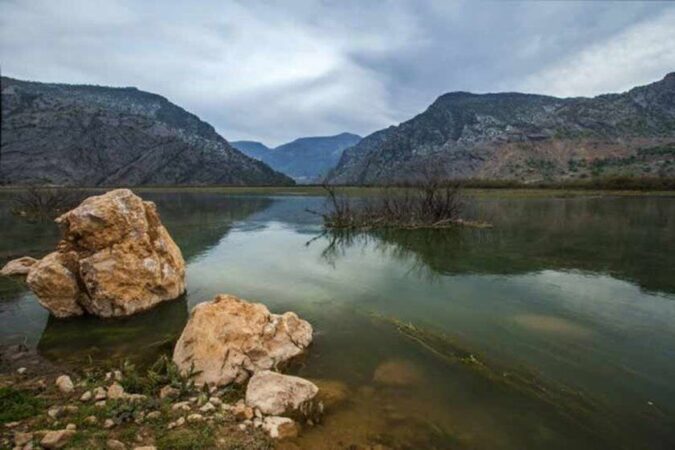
pixel 276 70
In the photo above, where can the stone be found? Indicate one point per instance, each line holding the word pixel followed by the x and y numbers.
pixel 91 420
pixel 397 372
pixel 18 267
pixel 71 409
pixel 168 392
pixel 86 396
pixel 54 281
pixel 215 401
pixel 241 411
pixel 55 412
pixel 278 395
pixel 65 384
pixel 100 404
pixel 146 447
pixel 21 439
pixel 207 408
pixel 228 339
pixel 195 418
pixel 21 370
pixel 113 444
pixel 108 424
pixel 153 415
pixel 100 394
pixel 57 439
pixel 115 259
pixel 184 406
pixel 71 426
pixel 115 391
pixel 280 427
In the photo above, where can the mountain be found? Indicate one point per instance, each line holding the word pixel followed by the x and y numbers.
pixel 305 159
pixel 523 137
pixel 102 136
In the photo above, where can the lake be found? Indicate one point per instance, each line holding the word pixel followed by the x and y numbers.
pixel 554 329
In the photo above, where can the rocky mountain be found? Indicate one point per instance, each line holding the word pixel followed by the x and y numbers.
pixel 524 137
pixel 306 159
pixel 102 136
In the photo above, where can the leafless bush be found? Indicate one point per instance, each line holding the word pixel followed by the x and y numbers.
pixel 431 203
pixel 36 204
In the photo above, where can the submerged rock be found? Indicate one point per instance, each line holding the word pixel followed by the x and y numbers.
pixel 115 259
pixel 280 395
pixel 18 267
pixel 280 427
pixel 397 372
pixel 228 339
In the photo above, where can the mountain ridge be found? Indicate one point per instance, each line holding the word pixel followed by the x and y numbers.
pixel 522 136
pixel 88 135
pixel 306 159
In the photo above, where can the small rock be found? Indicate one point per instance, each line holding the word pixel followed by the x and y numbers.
pixel 185 406
pixel 207 408
pixel 242 426
pixel 117 375
pixel 12 424
pixel 21 439
pixel 215 401
pixel 70 409
pixel 257 422
pixel 146 447
pixel 100 394
pixel 65 384
pixel 18 267
pixel 55 412
pixel 108 424
pixel 100 404
pixel 21 370
pixel 56 439
pixel 257 413
pixel 276 394
pixel 134 397
pixel 91 420
pixel 192 418
pixel 114 444
pixel 71 426
pixel 168 392
pixel 115 391
pixel 86 396
pixel 242 412
pixel 153 415
pixel 280 427
pixel 108 376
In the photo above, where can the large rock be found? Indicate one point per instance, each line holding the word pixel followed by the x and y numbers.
pixel 228 339
pixel 115 259
pixel 18 267
pixel 281 395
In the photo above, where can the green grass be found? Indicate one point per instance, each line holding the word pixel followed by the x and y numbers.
pixel 192 437
pixel 17 405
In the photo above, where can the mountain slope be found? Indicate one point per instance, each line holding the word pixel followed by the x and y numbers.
pixel 305 159
pixel 101 136
pixel 524 137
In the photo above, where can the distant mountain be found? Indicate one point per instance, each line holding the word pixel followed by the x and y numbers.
pixel 305 159
pixel 102 136
pixel 524 137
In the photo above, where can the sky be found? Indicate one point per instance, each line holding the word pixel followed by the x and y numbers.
pixel 273 71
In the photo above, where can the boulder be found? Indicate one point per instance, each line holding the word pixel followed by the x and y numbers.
pixel 115 259
pixel 18 267
pixel 282 395
pixel 228 339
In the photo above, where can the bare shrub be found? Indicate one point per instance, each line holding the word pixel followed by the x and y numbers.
pixel 37 204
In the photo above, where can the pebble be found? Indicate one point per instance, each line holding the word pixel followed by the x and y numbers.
pixel 86 396
pixel 100 394
pixel 195 418
pixel 215 401
pixel 146 447
pixel 65 384
pixel 21 439
pixel 185 406
pixel 21 370
pixel 100 404
pixel 114 444
pixel 108 424
pixel 115 391
pixel 55 412
pixel 152 415
pixel 56 439
pixel 207 408
pixel 91 420
pixel 71 426
pixel 168 392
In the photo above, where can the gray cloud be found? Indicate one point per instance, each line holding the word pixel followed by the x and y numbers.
pixel 273 71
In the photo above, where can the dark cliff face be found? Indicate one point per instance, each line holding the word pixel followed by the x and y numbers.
pixel 524 136
pixel 100 136
pixel 305 159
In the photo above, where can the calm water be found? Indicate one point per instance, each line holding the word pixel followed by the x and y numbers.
pixel 578 294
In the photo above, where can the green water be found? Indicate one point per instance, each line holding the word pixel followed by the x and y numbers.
pixel 575 294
